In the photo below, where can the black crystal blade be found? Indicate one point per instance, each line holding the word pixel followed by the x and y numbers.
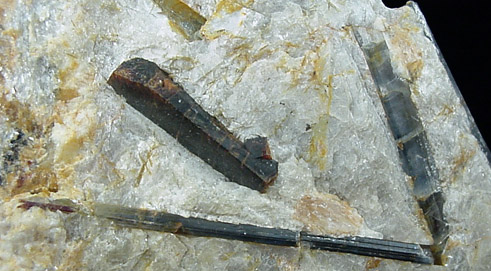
pixel 152 92
pixel 370 247
pixel 410 136
pixel 192 226
pixel 160 221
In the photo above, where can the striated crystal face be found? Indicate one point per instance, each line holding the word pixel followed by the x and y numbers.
pixel 299 73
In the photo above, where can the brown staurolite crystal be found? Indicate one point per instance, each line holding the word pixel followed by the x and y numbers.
pixel 152 91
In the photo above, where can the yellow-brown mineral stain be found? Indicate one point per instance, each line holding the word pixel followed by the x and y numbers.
pixel 73 255
pixel 404 51
pixel 67 89
pixel 39 168
pixel 460 162
pixel 463 158
pixel 72 78
pixel 231 6
pixel 6 8
pixel 287 264
pixel 38 180
pixel 29 169
pixel 446 111
pixel 415 68
pixel 318 79
pixel 326 214
pixel 402 43
pixel 449 246
pixel 68 152
pixel 223 8
pixel 318 143
pixel 372 263
pixel 74 122
pixel 146 164
pixel 19 115
pixel 8 50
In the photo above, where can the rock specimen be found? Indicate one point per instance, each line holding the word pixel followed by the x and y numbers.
pixel 323 81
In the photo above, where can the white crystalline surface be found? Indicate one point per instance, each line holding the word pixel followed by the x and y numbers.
pixel 291 71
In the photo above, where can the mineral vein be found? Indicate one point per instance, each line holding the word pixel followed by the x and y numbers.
pixel 410 136
pixel 165 222
pixel 152 92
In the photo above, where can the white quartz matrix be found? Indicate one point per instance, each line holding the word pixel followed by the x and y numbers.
pixel 289 70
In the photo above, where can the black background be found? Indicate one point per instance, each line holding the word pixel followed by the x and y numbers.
pixel 462 31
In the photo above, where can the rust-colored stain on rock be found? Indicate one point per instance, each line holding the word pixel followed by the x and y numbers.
pixel 25 166
pixel 327 214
